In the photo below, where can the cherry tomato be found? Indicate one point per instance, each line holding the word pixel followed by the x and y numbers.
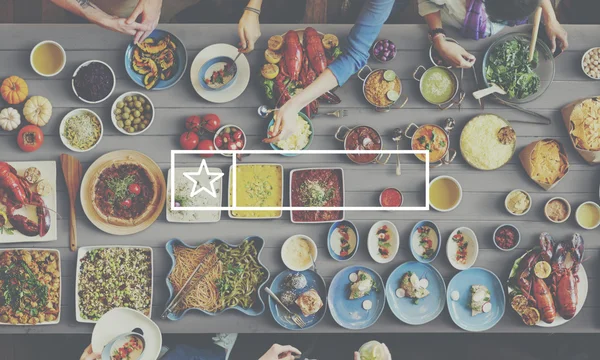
pixel 126 203
pixel 211 122
pixel 189 140
pixel 193 123
pixel 218 142
pixel 206 145
pixel 30 138
pixel 238 135
pixel 134 189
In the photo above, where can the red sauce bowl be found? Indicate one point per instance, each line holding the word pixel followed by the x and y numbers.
pixel 390 197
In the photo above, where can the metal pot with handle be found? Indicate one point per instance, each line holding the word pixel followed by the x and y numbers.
pixel 401 98
pixel 433 138
pixel 457 96
pixel 363 138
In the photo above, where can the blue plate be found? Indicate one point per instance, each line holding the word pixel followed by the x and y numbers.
pixel 180 62
pixel 205 72
pixel 428 307
pixel 314 281
pixel 310 138
pixel 257 308
pixel 350 313
pixel 329 239
pixel 460 311
pixel 432 225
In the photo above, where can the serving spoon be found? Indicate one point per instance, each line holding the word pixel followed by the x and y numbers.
pixel 264 111
pixel 493 89
pixel 397 136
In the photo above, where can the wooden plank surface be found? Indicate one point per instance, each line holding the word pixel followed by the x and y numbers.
pixel 482 207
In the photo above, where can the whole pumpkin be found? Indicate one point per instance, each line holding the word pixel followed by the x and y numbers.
pixel 9 119
pixel 37 110
pixel 14 90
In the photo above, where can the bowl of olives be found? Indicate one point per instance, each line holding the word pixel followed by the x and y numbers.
pixel 132 113
pixel 383 50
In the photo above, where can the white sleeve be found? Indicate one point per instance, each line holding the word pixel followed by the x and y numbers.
pixel 427 7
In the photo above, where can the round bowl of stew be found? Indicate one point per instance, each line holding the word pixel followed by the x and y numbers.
pixel 361 138
pixel 433 138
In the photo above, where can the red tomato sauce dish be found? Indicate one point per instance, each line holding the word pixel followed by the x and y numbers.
pixel 390 197
pixel 317 188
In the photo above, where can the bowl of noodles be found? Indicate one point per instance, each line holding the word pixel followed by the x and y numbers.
pixel 231 276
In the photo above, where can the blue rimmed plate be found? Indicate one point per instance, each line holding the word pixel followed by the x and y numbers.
pixel 180 62
pixel 334 242
pixel 257 308
pixel 348 313
pixel 460 312
pixel 314 281
pixel 429 307
pixel 310 137
pixel 435 240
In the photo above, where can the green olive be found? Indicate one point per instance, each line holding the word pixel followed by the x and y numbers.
pixel 134 97
pixel 138 104
pixel 126 110
pixel 137 121
pixel 146 122
pixel 127 98
pixel 120 104
pixel 136 127
pixel 128 122
pixel 148 107
pixel 143 100
pixel 120 124
pixel 137 113
pixel 142 126
pixel 118 111
pixel 130 130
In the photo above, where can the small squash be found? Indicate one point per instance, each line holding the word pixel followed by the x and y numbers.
pixel 37 110
pixel 10 119
pixel 14 90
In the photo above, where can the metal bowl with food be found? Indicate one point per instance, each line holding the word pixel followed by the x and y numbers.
pixel 439 86
pixel 505 64
pixel 436 58
pixel 362 138
pixel 488 142
pixel 433 138
pixel 382 88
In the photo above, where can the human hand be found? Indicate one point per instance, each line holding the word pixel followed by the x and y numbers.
pixel 386 353
pixel 88 354
pixel 150 12
pixel 280 352
pixel 452 53
pixel 284 124
pixel 120 25
pixel 249 31
pixel 556 31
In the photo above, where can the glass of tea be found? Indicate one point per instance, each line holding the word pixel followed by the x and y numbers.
pixel 48 58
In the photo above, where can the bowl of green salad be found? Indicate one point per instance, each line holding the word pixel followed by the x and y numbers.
pixel 506 64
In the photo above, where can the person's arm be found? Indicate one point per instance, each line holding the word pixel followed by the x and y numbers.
pixel 149 10
pixel 249 26
pixel 280 352
pixel 355 56
pixel 89 11
pixel 554 29
pixel 451 52
pixel 88 354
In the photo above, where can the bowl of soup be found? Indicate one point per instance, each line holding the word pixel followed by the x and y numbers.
pixel 432 138
pixel 48 58
pixel 445 193
pixel 363 144
pixel 438 85
pixel 296 252
pixel 588 215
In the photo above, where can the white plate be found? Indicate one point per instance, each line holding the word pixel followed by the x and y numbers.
pixel 59 286
pixel 48 170
pixel 122 320
pixel 472 248
pixel 372 241
pixel 81 253
pixel 202 216
pixel 233 91
pixel 63 123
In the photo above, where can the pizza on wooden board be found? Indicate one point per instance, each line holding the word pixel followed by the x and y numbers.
pixel 124 193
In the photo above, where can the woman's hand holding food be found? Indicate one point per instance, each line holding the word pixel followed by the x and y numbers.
pixel 284 124
pixel 150 12
pixel 88 354
pixel 452 53
pixel 280 352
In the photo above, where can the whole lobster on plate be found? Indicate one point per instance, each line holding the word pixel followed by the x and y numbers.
pixel 558 293
pixel 16 193
pixel 300 65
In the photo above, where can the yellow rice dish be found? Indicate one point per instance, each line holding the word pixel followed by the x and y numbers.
pixel 257 185
pixel 484 142
pixel 585 125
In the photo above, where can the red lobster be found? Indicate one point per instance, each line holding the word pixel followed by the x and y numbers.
pixel 315 52
pixel 565 277
pixel 17 194
pixel 291 63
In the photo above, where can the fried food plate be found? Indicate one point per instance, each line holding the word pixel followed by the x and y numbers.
pixel 105 161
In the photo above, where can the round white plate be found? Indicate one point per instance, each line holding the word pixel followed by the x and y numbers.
pixel 233 91
pixel 122 320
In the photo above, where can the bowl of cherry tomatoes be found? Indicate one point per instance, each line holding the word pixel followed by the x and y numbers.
pixel 196 126
pixel 229 137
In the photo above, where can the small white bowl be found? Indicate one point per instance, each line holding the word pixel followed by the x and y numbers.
pixel 63 123
pixel 62 50
pixel 577 212
pixel 313 250
pixel 373 242
pixel 221 129
pixel 583 67
pixel 86 64
pixel 518 236
pixel 568 209
pixel 472 249
pixel 526 194
pixel 120 98
pixel 460 195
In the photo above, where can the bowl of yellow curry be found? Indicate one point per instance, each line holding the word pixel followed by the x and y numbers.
pixel 432 138
pixel 256 186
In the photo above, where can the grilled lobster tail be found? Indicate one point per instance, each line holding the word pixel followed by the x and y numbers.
pixel 292 55
pixel 315 50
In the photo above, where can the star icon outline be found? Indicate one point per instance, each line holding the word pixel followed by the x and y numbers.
pixel 203 167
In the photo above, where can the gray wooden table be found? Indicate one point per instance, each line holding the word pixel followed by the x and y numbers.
pixel 481 209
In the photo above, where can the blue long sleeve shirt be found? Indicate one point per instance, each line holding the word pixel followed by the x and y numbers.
pixel 361 38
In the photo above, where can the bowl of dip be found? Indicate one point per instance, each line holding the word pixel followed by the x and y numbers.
pixel 390 197
pixel 438 85
pixel 518 202
pixel 218 73
pixel 588 215
pixel 296 252
pixel 342 240
pixel 557 210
